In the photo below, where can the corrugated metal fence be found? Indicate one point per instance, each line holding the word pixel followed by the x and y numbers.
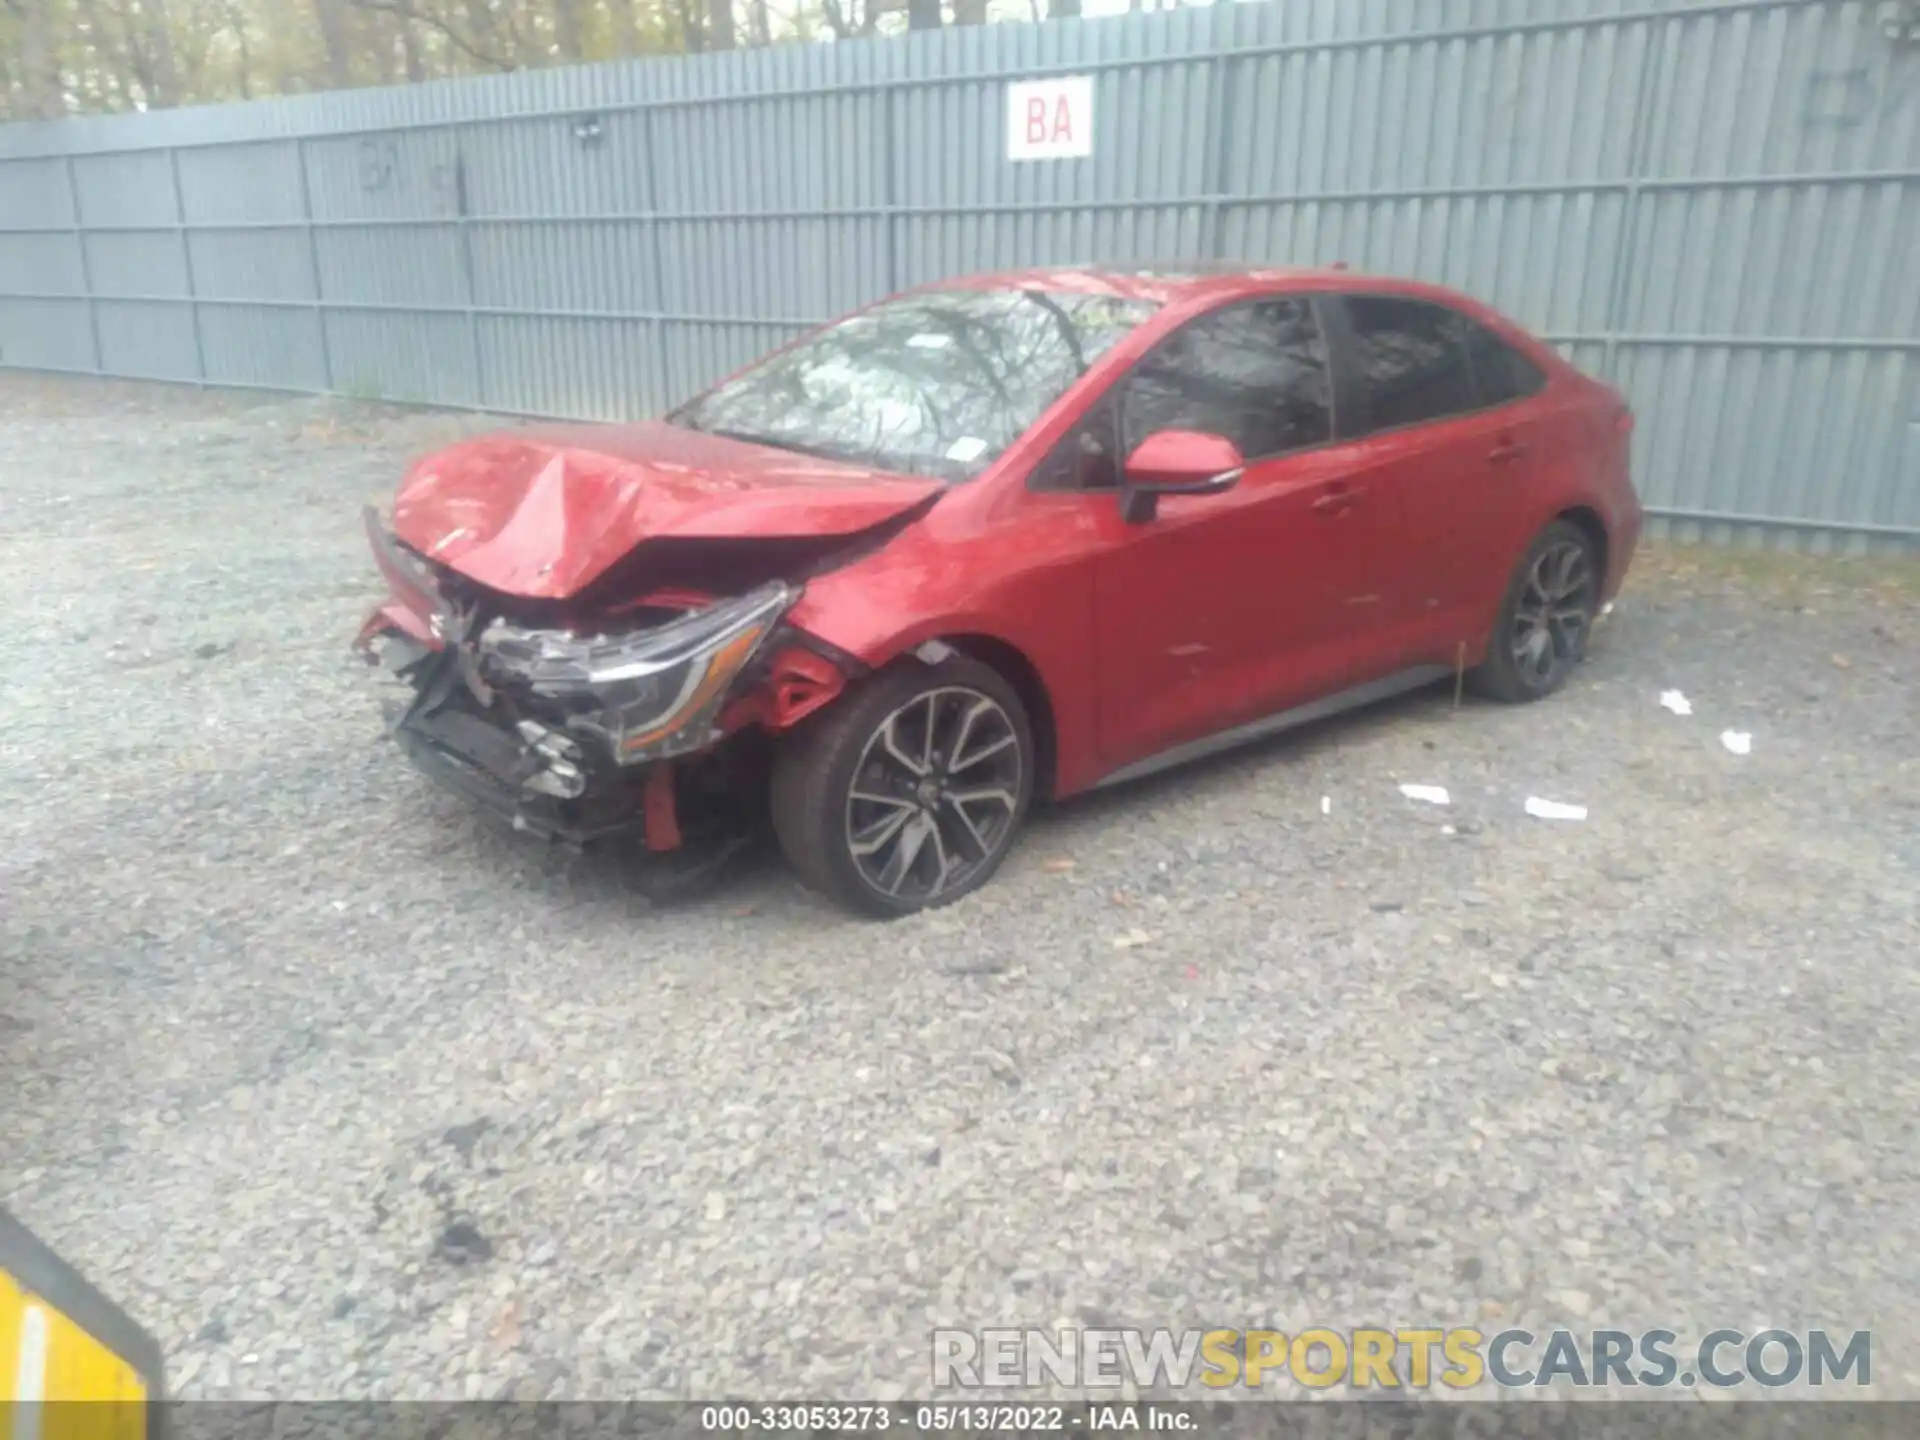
pixel 1717 205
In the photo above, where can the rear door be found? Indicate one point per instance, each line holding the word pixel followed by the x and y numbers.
pixel 1447 443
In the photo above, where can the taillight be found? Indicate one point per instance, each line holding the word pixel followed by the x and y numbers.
pixel 1623 420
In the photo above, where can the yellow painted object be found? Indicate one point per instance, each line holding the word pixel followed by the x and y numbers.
pixel 72 1365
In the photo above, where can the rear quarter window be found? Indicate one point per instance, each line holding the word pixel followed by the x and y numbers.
pixel 1501 374
pixel 1410 359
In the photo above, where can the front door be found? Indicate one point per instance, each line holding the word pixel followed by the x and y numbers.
pixel 1221 609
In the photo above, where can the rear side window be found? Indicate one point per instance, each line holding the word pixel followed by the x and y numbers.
pixel 1411 361
pixel 1255 373
pixel 1500 372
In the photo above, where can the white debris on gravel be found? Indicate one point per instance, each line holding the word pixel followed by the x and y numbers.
pixel 1740 742
pixel 1554 809
pixel 1676 702
pixel 303 1061
pixel 1430 794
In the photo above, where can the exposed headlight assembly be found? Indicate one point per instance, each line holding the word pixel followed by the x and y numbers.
pixel 647 694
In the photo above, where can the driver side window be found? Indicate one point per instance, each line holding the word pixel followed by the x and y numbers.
pixel 1255 373
pixel 1088 458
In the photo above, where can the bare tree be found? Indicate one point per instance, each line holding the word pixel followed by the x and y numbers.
pixel 693 35
pixel 470 48
pixel 410 50
pixel 243 50
pixel 481 24
pixel 156 45
pixel 626 35
pixel 109 73
pixel 864 20
pixel 36 69
pixel 61 56
pixel 566 28
pixel 332 15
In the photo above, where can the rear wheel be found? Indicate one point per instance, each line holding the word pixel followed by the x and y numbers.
pixel 908 794
pixel 1545 619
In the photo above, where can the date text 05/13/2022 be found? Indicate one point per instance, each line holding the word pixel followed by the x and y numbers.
pixel 936 1419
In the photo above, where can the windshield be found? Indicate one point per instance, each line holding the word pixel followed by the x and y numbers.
pixel 930 384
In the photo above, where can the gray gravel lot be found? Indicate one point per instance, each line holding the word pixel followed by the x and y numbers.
pixel 345 1091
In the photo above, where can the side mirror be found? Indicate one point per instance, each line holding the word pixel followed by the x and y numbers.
pixel 1176 462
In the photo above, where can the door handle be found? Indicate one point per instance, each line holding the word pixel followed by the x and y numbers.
pixel 1505 452
pixel 1336 502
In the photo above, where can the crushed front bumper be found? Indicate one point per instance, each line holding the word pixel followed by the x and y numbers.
pixel 569 736
pixel 450 737
pixel 484 765
pixel 584 729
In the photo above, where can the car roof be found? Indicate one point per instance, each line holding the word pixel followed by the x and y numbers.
pixel 1177 280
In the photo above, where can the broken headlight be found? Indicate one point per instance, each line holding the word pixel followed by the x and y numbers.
pixel 647 693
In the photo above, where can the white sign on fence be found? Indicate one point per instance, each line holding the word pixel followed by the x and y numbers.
pixel 1050 119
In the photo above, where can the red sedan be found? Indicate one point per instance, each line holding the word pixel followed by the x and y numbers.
pixel 995 539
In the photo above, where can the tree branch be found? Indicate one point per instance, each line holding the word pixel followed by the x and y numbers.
pixel 434 22
pixel 237 22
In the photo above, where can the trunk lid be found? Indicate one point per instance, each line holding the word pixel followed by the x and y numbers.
pixel 542 512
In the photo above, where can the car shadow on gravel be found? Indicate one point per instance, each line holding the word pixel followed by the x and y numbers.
pixel 617 872
pixel 622 873
pixel 743 873
pixel 1295 745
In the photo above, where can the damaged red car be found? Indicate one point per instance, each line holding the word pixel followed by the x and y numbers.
pixel 992 541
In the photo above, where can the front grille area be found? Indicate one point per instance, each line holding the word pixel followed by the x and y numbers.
pixel 479 754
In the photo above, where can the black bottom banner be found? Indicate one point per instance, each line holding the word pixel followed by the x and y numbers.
pixel 1073 1420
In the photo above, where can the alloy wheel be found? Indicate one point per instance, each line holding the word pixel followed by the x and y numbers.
pixel 935 794
pixel 1554 613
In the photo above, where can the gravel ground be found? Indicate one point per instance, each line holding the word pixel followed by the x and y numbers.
pixel 345 1091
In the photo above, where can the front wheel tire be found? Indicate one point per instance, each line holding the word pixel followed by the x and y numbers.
pixel 909 793
pixel 1545 619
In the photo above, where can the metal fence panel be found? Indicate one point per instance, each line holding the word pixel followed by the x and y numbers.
pixel 1712 202
pixel 146 339
pixel 35 193
pixel 125 189
pixel 242 184
pixel 268 346
pixel 45 263
pixel 46 334
pixel 127 263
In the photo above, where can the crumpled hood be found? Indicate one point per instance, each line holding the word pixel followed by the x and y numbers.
pixel 542 512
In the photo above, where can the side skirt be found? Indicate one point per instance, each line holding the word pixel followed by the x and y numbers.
pixel 1341 700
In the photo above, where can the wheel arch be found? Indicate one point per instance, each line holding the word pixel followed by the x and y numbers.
pixel 1014 666
pixel 1587 520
